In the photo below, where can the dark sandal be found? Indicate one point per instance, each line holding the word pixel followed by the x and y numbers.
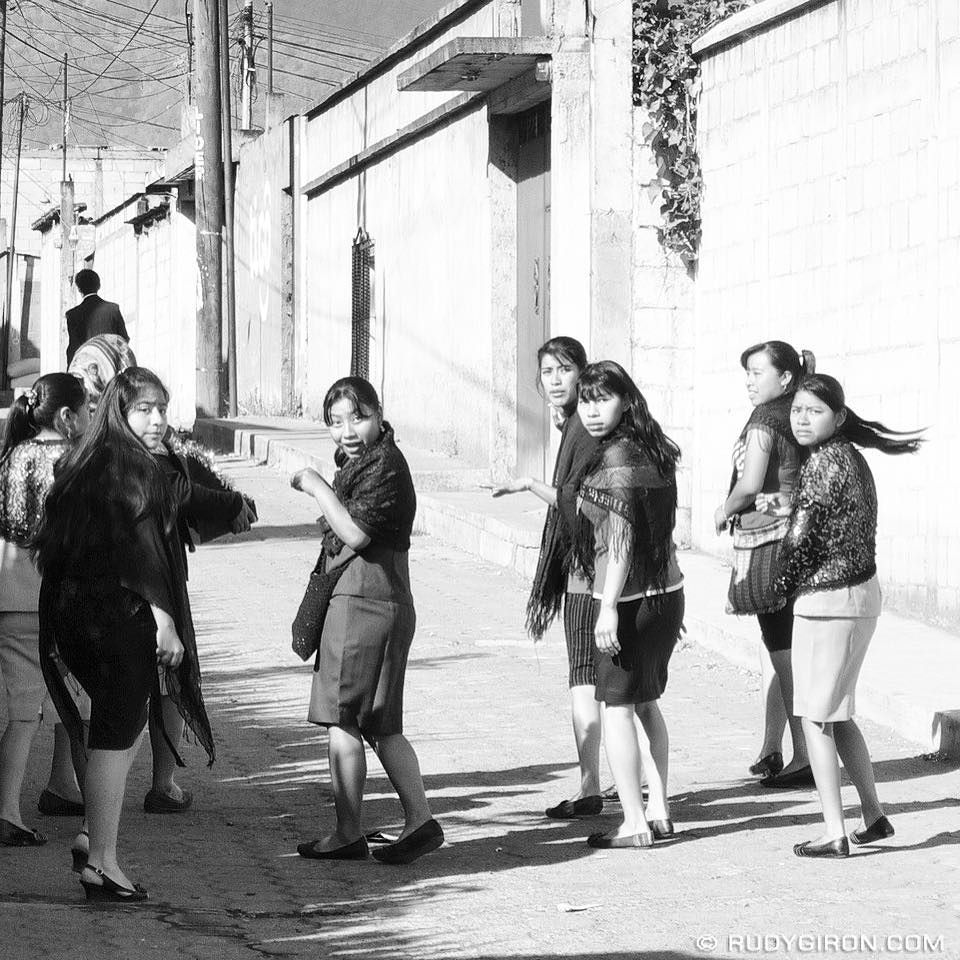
pixel 110 890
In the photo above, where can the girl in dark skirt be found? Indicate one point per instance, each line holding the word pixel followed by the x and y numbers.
pixel 358 680
pixel 560 362
pixel 114 604
pixel 624 544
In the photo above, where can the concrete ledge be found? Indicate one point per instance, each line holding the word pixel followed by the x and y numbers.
pixel 908 682
pixel 762 16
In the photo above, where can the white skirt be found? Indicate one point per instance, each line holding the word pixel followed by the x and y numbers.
pixel 827 655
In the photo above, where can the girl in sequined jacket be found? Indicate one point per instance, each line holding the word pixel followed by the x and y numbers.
pixel 828 564
pixel 41 425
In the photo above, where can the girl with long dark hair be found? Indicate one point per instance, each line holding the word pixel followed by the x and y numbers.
pixel 624 545
pixel 41 426
pixel 766 458
pixel 368 628
pixel 560 361
pixel 828 564
pixel 114 604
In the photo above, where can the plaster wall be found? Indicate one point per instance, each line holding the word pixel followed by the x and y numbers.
pixel 425 209
pixel 153 278
pixel 831 150
pixel 262 176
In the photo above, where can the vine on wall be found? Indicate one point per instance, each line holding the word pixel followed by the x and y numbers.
pixel 666 83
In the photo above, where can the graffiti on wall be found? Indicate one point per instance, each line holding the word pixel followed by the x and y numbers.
pixel 261 236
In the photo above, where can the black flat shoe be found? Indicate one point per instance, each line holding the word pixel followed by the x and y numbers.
pixel 662 829
pixel 357 850
pixel 157 802
pixel 13 836
pixel 425 839
pixel 633 841
pixel 110 890
pixel 768 766
pixel 803 777
pixel 51 804
pixel 572 809
pixel 831 849
pixel 880 829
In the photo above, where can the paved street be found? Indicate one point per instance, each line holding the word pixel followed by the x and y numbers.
pixel 487 711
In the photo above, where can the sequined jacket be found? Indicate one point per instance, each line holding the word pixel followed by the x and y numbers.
pixel 25 479
pixel 831 539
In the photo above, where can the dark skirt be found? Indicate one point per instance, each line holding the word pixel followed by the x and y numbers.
pixel 117 667
pixel 776 628
pixel 578 621
pixel 648 630
pixel 359 677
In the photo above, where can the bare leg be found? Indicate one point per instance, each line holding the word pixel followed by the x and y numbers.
pixel 63 780
pixel 14 753
pixel 585 711
pixel 348 773
pixel 784 674
pixel 105 786
pixel 655 754
pixel 623 754
pixel 856 761
pixel 774 712
pixel 826 773
pixel 400 762
pixel 164 762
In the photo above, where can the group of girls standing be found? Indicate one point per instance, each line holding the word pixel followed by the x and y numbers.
pixel 802 509
pixel 107 526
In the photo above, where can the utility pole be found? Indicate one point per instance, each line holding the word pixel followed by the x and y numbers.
pixel 208 167
pixel 270 47
pixel 230 287
pixel 67 223
pixel 3 73
pixel 188 16
pixel 249 67
pixel 12 248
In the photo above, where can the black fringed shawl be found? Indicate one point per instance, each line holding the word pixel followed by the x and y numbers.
pixel 775 416
pixel 623 481
pixel 107 582
pixel 377 490
pixel 577 447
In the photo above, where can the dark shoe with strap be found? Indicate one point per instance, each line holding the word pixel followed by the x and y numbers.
pixel 573 809
pixel 13 836
pixel 662 829
pixel 801 777
pixel 425 839
pixel 52 804
pixel 632 841
pixel 109 890
pixel 768 766
pixel 358 850
pixel 157 802
pixel 880 829
pixel 831 849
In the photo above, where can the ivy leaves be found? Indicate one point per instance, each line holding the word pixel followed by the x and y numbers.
pixel 667 85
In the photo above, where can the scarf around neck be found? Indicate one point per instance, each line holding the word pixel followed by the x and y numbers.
pixel 623 481
pixel 775 416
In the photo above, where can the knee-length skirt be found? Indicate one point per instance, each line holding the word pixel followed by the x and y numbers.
pixel 359 676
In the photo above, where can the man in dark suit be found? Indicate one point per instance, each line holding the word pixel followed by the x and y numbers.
pixel 93 315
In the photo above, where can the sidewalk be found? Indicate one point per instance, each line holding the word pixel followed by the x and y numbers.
pixel 915 695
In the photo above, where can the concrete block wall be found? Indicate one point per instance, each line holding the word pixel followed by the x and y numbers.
pixel 831 148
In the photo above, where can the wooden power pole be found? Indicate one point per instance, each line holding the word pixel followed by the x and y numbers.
pixel 67 225
pixel 249 73
pixel 12 247
pixel 229 287
pixel 208 172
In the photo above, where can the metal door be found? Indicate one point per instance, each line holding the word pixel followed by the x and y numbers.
pixel 533 285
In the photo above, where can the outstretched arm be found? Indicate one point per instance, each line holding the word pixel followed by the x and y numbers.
pixel 540 489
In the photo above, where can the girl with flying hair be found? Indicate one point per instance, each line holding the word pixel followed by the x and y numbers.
pixel 42 425
pixel 828 564
pixel 114 604
pixel 624 545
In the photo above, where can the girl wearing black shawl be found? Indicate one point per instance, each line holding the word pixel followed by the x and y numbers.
pixel 358 679
pixel 766 458
pixel 114 603
pixel 560 361
pixel 624 544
